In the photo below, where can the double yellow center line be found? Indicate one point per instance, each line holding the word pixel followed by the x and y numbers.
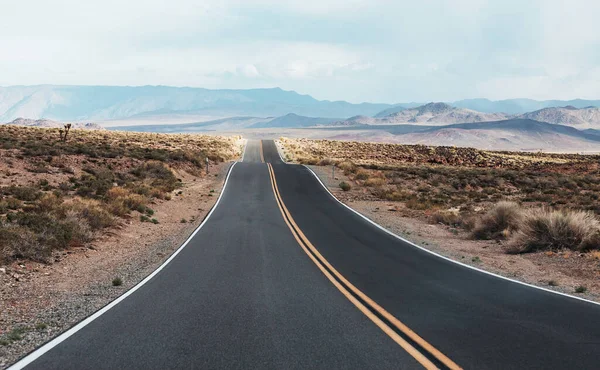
pixel 370 308
pixel 262 156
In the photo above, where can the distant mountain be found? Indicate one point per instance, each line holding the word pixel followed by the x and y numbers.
pixel 396 108
pixel 223 124
pixel 520 106
pixel 46 123
pixel 353 121
pixel 78 103
pixel 588 117
pixel 292 120
pixel 513 134
pixel 437 113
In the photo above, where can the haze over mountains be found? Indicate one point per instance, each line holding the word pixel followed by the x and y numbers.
pixel 515 124
pixel 101 103
pixel 434 113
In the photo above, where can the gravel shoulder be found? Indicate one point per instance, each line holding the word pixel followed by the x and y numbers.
pixel 561 271
pixel 40 301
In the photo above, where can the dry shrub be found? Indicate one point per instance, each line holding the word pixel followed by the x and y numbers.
pixel 544 229
pixel 375 181
pixel 135 201
pixel 445 217
pixel 362 174
pixel 347 166
pixel 92 212
pixel 117 192
pixel 19 242
pixel 454 219
pixel 118 208
pixel 49 203
pixel 324 162
pixel 499 221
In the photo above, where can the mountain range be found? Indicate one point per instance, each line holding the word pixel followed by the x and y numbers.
pixel 104 103
pixel 513 134
pixel 516 124
pixel 100 103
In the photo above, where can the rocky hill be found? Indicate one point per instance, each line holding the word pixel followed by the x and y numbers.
pixel 440 113
pixel 581 118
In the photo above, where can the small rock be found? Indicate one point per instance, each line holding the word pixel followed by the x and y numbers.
pixel 3 270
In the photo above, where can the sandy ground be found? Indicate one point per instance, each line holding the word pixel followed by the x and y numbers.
pixel 47 299
pixel 561 271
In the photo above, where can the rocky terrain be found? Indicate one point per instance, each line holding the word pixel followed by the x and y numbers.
pixel 581 118
pixel 434 113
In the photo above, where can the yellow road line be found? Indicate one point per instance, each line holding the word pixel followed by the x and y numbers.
pixel 262 157
pixel 397 323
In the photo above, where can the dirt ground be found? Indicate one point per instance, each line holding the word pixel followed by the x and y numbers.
pixel 39 301
pixel 560 271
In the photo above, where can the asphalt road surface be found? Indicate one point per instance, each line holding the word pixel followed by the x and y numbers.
pixel 283 276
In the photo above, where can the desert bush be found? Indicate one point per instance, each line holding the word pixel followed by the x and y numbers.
pixel 345 186
pixel 375 181
pixel 48 203
pixel 446 218
pixel 325 162
pixel 134 201
pixel 24 193
pixel 420 204
pixel 93 213
pixel 362 174
pixel 162 177
pixel 19 242
pixel 502 219
pixel 117 192
pixel 347 166
pixel 544 229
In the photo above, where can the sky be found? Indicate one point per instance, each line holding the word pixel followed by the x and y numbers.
pixel 356 50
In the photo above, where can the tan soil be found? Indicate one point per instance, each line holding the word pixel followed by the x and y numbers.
pixel 79 281
pixel 567 269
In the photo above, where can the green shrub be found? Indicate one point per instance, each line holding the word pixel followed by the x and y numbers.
pixel 345 186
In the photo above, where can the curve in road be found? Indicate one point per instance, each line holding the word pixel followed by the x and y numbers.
pixel 476 319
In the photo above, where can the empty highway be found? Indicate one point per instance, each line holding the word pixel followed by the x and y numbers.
pixel 282 276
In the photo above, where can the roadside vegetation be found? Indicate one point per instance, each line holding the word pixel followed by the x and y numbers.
pixel 526 201
pixel 58 194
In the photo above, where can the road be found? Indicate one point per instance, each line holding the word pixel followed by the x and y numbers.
pixel 283 276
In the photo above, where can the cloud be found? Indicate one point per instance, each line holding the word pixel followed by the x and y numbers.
pixel 247 70
pixel 358 50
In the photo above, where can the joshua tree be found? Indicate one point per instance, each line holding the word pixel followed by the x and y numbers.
pixel 65 131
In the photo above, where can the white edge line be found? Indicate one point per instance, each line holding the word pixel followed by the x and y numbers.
pixel 56 341
pixel 278 152
pixel 244 153
pixel 444 257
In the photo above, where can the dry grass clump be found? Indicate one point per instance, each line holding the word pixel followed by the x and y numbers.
pixel 499 222
pixel 544 229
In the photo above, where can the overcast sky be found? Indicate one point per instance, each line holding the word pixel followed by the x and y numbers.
pixel 355 50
